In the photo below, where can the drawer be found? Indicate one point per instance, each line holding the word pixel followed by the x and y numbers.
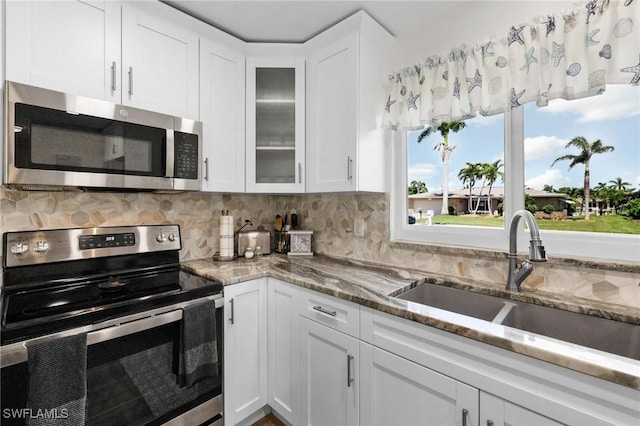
pixel 333 312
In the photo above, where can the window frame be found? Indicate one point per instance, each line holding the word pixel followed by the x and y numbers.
pixel 561 244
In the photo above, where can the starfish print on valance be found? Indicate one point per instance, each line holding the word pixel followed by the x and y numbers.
pixel 570 55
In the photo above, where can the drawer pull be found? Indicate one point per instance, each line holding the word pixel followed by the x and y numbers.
pixel 349 378
pixel 324 311
pixel 465 414
pixel 231 318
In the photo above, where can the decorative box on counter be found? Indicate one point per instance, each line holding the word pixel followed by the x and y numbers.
pixel 300 243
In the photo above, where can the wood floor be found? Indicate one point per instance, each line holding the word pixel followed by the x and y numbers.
pixel 268 420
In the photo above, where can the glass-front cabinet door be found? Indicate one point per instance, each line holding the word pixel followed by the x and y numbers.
pixel 275 125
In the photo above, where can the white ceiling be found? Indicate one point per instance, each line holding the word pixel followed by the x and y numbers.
pixel 298 21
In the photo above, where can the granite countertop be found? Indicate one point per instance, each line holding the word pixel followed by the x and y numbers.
pixel 375 286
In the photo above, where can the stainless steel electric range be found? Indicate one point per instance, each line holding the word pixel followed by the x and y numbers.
pixel 124 288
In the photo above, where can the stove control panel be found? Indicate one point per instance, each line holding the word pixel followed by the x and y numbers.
pixel 55 245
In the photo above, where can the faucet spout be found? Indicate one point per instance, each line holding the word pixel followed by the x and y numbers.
pixel 515 274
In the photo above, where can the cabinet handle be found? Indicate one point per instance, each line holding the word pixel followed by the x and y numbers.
pixel 349 378
pixel 299 172
pixel 113 149
pixel 324 311
pixel 113 76
pixel 231 317
pixel 489 423
pixel 349 168
pixel 465 414
pixel 206 169
pixel 131 81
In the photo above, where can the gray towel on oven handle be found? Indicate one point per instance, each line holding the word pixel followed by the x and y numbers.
pixel 58 381
pixel 199 348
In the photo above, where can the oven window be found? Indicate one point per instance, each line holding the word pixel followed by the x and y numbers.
pixel 56 140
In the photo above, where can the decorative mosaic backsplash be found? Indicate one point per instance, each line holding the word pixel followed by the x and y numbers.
pixel 330 216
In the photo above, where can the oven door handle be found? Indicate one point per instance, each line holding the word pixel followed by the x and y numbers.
pixel 16 353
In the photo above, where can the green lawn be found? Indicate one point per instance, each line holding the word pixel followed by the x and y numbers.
pixel 613 223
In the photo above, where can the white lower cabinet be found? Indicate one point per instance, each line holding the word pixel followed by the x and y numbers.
pixel 395 391
pixel 496 411
pixel 245 349
pixel 318 360
pixel 329 382
pixel 284 350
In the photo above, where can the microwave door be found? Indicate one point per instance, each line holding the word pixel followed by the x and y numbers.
pixel 62 140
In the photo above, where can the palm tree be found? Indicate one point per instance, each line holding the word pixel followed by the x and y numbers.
pixel 587 150
pixel 491 173
pixel 548 188
pixel 468 175
pixel 620 184
pixel 480 176
pixel 601 191
pixel 417 187
pixel 444 128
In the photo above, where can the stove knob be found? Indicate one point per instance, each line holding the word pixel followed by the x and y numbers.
pixel 41 246
pixel 172 237
pixel 161 238
pixel 19 248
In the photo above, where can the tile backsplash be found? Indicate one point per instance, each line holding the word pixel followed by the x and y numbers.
pixel 330 216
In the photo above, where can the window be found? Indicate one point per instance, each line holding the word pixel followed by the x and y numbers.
pixel 614 163
pixel 528 140
pixel 475 175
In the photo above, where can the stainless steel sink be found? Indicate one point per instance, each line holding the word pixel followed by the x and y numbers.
pixel 451 299
pixel 594 332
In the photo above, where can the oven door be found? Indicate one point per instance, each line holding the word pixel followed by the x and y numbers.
pixel 131 380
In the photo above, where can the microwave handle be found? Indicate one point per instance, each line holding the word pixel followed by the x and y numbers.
pixel 170 165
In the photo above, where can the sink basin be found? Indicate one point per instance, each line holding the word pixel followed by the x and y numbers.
pixel 451 299
pixel 594 332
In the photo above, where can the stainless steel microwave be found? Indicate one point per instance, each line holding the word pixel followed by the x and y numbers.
pixel 55 141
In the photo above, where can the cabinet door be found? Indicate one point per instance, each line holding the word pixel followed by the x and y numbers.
pixel 396 391
pixel 332 114
pixel 284 358
pixel 275 125
pixel 496 411
pixel 222 98
pixel 159 60
pixel 329 383
pixel 68 46
pixel 245 349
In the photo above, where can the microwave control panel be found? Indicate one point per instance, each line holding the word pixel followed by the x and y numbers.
pixel 186 155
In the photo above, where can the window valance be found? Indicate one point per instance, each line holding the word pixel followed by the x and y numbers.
pixel 569 55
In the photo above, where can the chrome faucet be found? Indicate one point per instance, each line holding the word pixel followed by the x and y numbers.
pixel 517 274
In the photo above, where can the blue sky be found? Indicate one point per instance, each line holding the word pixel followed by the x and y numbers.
pixel 613 117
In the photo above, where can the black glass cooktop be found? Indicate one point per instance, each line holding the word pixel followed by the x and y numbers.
pixel 33 312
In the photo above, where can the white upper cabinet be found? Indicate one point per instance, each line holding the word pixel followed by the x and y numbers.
pixel 275 124
pixel 69 46
pixel 347 72
pixel 159 60
pixel 142 54
pixel 222 97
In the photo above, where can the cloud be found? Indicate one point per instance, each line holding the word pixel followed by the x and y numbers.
pixel 485 121
pixel 549 177
pixel 542 146
pixel 421 172
pixel 615 103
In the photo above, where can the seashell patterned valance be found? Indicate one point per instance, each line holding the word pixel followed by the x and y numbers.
pixel 571 55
